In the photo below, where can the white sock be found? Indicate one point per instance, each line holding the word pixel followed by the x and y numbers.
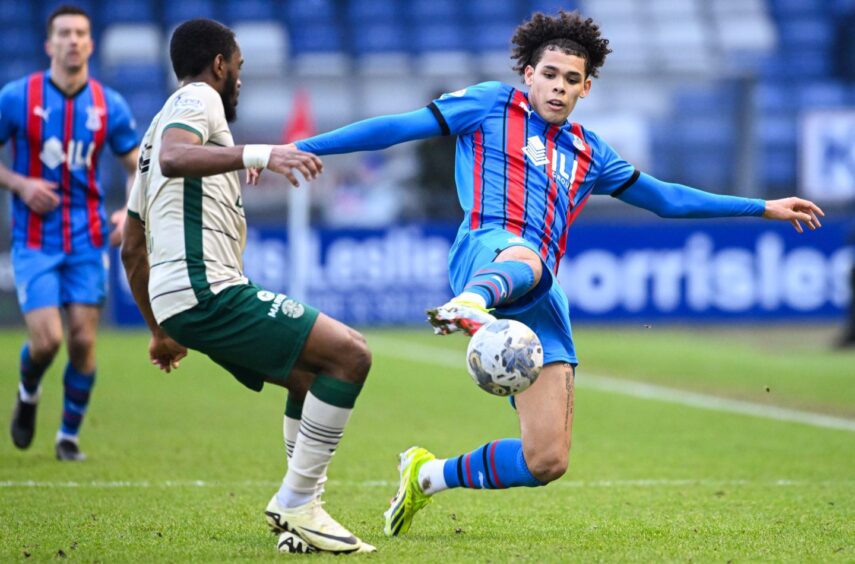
pixel 60 436
pixel 321 428
pixel 290 428
pixel 28 397
pixel 471 297
pixel 431 476
pixel 289 498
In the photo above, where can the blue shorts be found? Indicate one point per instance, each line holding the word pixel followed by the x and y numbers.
pixel 545 309
pixel 57 279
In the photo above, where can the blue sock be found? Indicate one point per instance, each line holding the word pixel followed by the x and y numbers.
pixel 496 465
pixel 78 388
pixel 502 282
pixel 31 371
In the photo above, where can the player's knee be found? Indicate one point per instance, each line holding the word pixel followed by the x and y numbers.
pixel 44 346
pixel 360 356
pixel 81 343
pixel 353 358
pixel 547 465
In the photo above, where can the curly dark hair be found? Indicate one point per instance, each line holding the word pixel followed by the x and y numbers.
pixel 567 31
pixel 196 43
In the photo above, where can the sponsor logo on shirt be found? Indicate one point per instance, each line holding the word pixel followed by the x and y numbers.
pixel 535 151
pixel 77 155
pixel 189 102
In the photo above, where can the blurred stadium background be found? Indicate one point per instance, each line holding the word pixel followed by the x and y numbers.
pixel 747 97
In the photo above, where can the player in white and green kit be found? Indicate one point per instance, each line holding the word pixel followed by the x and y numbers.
pixel 182 252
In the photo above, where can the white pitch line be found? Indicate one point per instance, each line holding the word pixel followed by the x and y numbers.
pixel 651 483
pixel 443 357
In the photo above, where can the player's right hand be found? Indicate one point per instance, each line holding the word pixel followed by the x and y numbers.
pixel 165 353
pixel 285 159
pixel 38 194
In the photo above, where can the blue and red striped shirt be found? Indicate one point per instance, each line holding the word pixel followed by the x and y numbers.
pixel 517 172
pixel 60 138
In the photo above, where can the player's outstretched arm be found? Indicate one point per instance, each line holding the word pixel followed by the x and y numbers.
pixel 667 199
pixel 163 351
pixel 374 134
pixel 182 154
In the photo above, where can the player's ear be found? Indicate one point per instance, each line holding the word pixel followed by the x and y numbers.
pixel 219 66
pixel 586 88
pixel 528 75
pixel 48 50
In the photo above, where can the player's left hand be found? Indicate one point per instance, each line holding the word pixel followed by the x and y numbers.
pixel 796 211
pixel 165 353
pixel 118 220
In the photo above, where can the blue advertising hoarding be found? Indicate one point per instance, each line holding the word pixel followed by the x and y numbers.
pixel 614 271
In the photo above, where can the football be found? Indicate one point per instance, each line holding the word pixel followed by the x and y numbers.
pixel 504 357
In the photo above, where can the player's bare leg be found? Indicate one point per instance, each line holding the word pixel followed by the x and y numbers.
pixel 79 377
pixel 44 326
pixel 546 421
pixel 339 360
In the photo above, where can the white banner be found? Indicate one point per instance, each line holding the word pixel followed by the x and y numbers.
pixel 827 154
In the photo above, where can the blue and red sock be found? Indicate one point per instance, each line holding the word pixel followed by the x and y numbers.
pixel 502 282
pixel 495 465
pixel 78 388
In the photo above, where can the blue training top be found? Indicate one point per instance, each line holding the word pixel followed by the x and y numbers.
pixel 517 172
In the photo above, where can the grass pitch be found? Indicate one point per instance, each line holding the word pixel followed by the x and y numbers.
pixel 181 466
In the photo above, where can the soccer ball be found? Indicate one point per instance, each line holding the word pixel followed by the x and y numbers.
pixel 504 357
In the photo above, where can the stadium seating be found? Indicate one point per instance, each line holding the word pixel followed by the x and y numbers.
pixel 674 65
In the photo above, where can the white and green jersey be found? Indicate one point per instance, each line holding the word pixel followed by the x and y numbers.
pixel 195 227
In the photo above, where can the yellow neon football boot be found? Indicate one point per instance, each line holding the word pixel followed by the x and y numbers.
pixel 410 497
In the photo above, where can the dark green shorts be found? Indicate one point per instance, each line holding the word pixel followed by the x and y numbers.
pixel 252 333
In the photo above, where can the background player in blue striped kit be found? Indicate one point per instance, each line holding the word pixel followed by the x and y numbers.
pixel 523 174
pixel 59 121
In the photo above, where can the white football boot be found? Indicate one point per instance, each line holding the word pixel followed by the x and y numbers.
pixel 314 525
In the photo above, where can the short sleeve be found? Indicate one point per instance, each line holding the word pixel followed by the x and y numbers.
pixel 461 112
pixel 121 125
pixel 193 109
pixel 136 207
pixel 614 175
pixel 10 102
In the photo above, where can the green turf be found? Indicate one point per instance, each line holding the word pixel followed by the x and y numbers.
pixel 648 481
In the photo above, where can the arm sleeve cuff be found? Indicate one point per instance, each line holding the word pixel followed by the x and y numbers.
pixel 440 118
pixel 623 187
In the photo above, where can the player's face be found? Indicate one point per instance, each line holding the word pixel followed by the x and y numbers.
pixel 231 88
pixel 70 42
pixel 555 84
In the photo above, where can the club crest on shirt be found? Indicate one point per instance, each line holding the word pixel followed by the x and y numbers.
pixel 578 143
pixel 93 118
